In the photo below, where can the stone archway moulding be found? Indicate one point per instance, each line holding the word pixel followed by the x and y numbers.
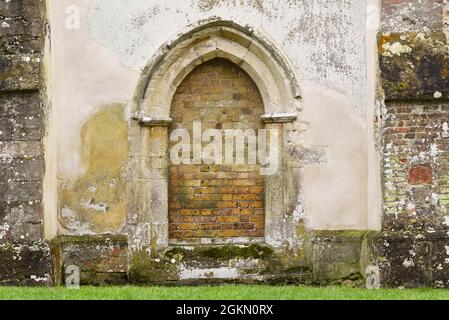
pixel 254 53
pixel 278 86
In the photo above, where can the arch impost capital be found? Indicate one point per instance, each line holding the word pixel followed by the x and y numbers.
pixel 149 121
pixel 279 117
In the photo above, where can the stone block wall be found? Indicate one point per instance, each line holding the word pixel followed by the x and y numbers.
pixel 407 15
pixel 102 261
pixel 24 256
pixel 416 167
pixel 414 65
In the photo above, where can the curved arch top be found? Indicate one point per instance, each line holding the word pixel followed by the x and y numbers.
pixel 254 53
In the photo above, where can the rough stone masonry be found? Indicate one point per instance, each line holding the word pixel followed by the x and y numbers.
pixel 414 65
pixel 25 256
pixel 90 92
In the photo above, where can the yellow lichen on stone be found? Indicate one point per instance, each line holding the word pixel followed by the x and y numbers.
pixel 395 49
pixel 96 203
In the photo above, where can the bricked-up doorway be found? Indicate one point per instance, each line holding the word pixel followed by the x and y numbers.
pixel 217 202
pixel 149 189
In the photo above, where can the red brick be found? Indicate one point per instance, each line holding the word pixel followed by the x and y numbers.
pixel 420 174
pixel 216 200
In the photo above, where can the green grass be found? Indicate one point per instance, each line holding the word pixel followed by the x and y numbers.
pixel 227 292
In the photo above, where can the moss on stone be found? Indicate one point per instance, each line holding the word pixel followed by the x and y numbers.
pixel 144 268
pixel 223 252
pixel 340 233
pixel 88 239
pixel 230 252
pixel 414 65
pixel 19 72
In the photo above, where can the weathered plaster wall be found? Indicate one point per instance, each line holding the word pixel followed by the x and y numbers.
pixel 97 201
pixel 331 197
pixel 324 40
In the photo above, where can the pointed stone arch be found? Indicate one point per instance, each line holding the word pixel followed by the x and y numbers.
pixel 254 53
pixel 279 89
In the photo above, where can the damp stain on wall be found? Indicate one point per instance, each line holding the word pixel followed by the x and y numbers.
pixel 96 203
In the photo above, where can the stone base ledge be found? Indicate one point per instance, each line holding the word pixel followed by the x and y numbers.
pixel 215 241
pixel 25 264
pixel 341 256
pixel 206 264
pixel 101 259
pixel 412 260
pixel 337 257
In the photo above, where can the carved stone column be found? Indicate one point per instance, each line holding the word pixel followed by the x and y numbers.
pixel 149 185
pixel 276 185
